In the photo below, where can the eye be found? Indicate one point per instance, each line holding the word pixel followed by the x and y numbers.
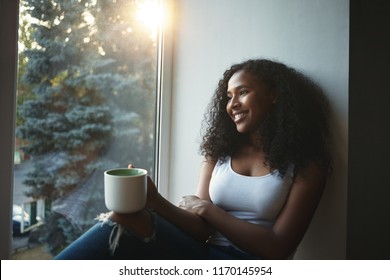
pixel 243 92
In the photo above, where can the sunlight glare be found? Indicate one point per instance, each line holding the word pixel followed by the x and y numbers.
pixel 150 13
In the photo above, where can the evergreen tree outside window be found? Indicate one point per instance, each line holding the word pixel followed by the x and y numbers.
pixel 87 95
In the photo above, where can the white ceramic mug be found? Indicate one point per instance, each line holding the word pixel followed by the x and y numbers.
pixel 125 189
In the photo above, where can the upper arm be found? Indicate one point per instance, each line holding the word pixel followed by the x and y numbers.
pixel 202 190
pixel 300 206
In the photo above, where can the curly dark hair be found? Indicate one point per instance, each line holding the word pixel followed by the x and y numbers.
pixel 294 132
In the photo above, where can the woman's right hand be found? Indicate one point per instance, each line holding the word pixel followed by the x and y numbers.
pixel 152 193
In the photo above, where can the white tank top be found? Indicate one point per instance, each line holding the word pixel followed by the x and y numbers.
pixel 256 199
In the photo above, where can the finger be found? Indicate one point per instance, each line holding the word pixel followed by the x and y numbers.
pixel 130 166
pixel 183 203
pixel 150 181
pixel 190 197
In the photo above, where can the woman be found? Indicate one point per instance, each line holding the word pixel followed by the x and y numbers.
pixel 266 161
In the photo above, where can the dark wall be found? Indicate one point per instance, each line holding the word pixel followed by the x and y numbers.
pixel 8 39
pixel 368 225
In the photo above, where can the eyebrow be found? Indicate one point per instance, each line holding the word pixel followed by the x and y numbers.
pixel 239 87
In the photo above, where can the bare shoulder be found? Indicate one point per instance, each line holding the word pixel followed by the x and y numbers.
pixel 313 177
pixel 307 189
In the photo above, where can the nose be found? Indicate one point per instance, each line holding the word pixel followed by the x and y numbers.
pixel 234 102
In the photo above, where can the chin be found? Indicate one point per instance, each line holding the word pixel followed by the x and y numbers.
pixel 242 129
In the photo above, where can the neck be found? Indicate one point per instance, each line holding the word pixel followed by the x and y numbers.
pixel 252 140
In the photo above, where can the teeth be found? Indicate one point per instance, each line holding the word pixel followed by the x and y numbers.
pixel 239 116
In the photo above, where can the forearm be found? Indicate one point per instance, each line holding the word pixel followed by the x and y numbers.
pixel 189 222
pixel 251 238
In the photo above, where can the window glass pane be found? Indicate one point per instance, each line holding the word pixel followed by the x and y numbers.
pixel 86 103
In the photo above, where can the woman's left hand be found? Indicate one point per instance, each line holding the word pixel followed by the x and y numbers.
pixel 194 204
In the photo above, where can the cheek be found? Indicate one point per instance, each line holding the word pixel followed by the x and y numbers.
pixel 261 110
pixel 228 110
pixel 228 115
pixel 227 106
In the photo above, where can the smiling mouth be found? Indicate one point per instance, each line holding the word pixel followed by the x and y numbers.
pixel 239 116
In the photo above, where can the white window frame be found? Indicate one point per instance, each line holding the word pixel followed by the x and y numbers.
pixel 164 88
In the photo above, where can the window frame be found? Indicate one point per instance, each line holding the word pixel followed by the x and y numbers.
pixel 164 98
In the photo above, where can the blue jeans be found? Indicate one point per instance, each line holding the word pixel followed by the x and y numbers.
pixel 168 242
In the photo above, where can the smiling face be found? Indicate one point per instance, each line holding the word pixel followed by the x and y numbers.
pixel 248 101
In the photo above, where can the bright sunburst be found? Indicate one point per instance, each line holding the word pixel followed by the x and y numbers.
pixel 151 14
